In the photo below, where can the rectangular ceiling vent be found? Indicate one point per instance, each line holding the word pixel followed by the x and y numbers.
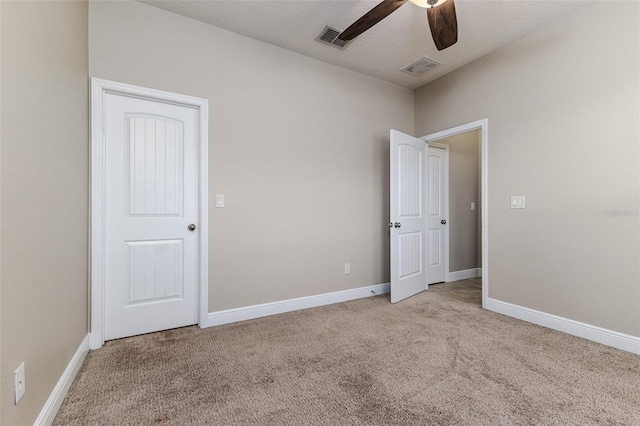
pixel 329 35
pixel 421 66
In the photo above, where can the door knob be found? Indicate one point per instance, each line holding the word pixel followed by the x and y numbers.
pixel 397 224
pixel 191 227
pixel 444 222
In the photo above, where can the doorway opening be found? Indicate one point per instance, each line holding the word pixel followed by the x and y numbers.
pixel 466 254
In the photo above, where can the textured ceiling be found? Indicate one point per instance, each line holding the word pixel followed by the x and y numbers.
pixel 401 38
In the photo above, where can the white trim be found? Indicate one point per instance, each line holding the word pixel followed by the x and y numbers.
pixel 203 219
pixel 465 274
pixel 594 333
pixel 273 308
pixel 483 125
pixel 484 178
pixel 446 205
pixel 51 407
pixel 99 88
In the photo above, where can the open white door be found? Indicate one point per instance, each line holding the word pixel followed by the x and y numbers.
pixel 436 213
pixel 408 221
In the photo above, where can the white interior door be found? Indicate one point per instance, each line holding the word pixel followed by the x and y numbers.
pixel 436 214
pixel 408 222
pixel 151 187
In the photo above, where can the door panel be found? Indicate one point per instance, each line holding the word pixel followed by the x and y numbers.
pixel 408 202
pixel 437 214
pixel 435 182
pixel 151 198
pixel 155 165
pixel 410 254
pixel 155 271
pixel 434 238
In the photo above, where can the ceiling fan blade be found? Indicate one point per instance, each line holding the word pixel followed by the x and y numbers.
pixel 371 18
pixel 443 24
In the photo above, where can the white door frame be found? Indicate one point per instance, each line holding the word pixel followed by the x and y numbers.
pixel 99 89
pixel 446 203
pixel 483 126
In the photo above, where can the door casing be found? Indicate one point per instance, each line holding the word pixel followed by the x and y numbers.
pixel 483 126
pixel 99 88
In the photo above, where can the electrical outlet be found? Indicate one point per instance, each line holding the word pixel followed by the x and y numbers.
pixel 347 268
pixel 19 386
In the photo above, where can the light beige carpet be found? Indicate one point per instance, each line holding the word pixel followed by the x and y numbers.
pixel 429 360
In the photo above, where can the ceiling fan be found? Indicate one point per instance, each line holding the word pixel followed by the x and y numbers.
pixel 441 15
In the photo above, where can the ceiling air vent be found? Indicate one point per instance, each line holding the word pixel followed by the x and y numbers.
pixel 421 66
pixel 330 35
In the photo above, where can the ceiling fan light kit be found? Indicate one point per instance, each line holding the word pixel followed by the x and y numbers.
pixel 441 15
pixel 427 3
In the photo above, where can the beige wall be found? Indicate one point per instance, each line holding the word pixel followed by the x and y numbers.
pixel 301 152
pixel 43 204
pixel 463 190
pixel 563 107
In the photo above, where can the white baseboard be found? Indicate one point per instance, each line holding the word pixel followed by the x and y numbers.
pixel 267 309
pixel 51 407
pixel 594 333
pixel 465 274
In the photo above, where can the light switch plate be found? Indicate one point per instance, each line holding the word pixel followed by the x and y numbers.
pixel 517 201
pixel 473 206
pixel 219 200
